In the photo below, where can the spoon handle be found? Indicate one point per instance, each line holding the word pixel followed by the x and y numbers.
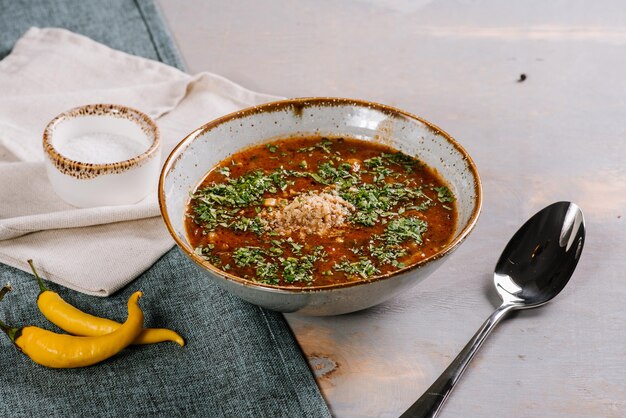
pixel 429 404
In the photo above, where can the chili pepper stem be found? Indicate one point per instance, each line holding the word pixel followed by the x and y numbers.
pixel 42 287
pixel 10 331
pixel 5 289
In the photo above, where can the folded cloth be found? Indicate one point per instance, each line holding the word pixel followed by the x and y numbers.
pixel 52 70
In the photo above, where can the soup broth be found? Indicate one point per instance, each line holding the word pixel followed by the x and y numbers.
pixel 314 211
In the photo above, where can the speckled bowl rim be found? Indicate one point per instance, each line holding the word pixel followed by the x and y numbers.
pixel 147 125
pixel 297 105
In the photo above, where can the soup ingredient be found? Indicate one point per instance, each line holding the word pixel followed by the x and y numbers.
pixel 67 351
pixel 310 213
pixel 77 322
pixel 315 211
pixel 101 147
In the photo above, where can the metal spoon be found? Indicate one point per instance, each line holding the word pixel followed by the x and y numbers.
pixel 533 268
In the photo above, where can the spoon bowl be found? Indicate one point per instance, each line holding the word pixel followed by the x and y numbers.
pixel 540 258
pixel 534 267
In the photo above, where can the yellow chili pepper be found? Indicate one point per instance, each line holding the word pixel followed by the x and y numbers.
pixel 77 322
pixel 67 351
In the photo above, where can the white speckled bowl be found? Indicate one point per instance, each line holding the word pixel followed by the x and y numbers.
pixel 205 147
pixel 85 184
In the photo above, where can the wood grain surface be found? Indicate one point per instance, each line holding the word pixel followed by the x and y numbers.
pixel 558 135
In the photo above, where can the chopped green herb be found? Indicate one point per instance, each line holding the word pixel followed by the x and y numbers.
pixel 297 248
pixel 363 268
pixel 207 254
pixel 248 256
pixel 401 159
pixel 374 162
pixel 225 171
pixel 243 191
pixel 276 251
pixel 381 172
pixel 387 254
pixel 422 206
pixel 209 215
pixel 373 201
pixel 298 269
pixel 267 273
pixel 324 145
pixel 341 175
pixel 404 229
pixel 256 225
pixel 444 194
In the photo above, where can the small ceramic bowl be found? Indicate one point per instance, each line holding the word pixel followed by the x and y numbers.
pixel 189 162
pixel 102 155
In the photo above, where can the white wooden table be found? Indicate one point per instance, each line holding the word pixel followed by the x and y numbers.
pixel 558 135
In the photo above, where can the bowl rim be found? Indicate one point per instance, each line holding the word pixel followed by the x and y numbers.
pixel 298 104
pixel 145 122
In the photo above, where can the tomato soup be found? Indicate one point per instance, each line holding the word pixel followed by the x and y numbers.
pixel 315 211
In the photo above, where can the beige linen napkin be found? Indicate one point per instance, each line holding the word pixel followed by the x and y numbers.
pixel 96 250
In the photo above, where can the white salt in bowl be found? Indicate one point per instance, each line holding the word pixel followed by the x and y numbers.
pixel 102 155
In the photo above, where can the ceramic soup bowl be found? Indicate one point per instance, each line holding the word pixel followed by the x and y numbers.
pixel 190 161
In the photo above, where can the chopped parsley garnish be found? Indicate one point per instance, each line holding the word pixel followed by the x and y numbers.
pixel 403 229
pixel 444 194
pixel 214 204
pixel 403 160
pixel 374 162
pixel 324 145
pixel 296 248
pixel 239 192
pixel 341 175
pixel 209 215
pixel 206 253
pixel 247 256
pixel 380 173
pixel 388 254
pixel 256 224
pixel 298 269
pixel 383 194
pixel 225 171
pixel 373 201
pixel 363 268
pixel 267 273
pixel 269 264
pixel 301 269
